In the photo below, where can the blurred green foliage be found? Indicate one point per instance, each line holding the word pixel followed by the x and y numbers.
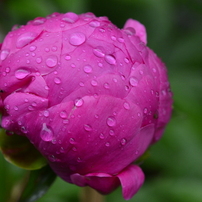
pixel 174 168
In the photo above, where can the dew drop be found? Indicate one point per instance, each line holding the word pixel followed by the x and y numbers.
pixel 32 48
pixel 126 105
pixel 110 59
pixel 70 17
pixel 123 141
pixel 67 57
pixel 57 80
pixel 46 133
pixel 7 69
pixel 79 160
pixel 106 85
pixel 98 52
pixel 111 121
pixel 78 102
pixel 87 69
pixel 52 158
pixel 51 61
pixel 121 40
pixel 77 39
pixel 15 108
pixel 102 136
pixel 62 150
pixel 4 54
pixel 129 31
pixel 94 23
pixel 39 60
pixel 74 149
pixel 145 110
pixel 38 21
pixel 21 73
pixel 63 114
pixel 72 140
pixel 113 38
pixel 87 127
pixel 46 113
pixel 111 133
pixel 133 81
pixel 107 144
pixel 94 83
pixel 25 39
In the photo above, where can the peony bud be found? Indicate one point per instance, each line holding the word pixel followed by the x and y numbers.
pixel 91 97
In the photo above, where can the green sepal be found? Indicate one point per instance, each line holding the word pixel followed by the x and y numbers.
pixel 39 181
pixel 19 151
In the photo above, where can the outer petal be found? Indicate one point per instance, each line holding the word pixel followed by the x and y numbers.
pixel 131 179
pixel 139 28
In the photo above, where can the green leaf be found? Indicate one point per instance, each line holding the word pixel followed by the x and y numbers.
pixel 38 184
pixel 19 151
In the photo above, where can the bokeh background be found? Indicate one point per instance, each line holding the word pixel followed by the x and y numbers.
pixel 174 168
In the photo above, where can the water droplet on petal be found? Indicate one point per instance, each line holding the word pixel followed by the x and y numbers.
pixel 123 141
pixel 126 105
pixel 107 144
pixel 87 127
pixel 38 21
pixel 32 48
pixel 46 113
pixel 111 133
pixel 106 85
pixel 57 80
pixel 72 140
pixel 39 60
pixel 87 69
pixel 145 110
pixel 70 17
pixel 63 114
pixel 111 121
pixel 129 31
pixel 25 39
pixel 121 40
pixel 94 83
pixel 4 54
pixel 51 61
pixel 46 133
pixel 94 23
pixel 7 69
pixel 102 136
pixel 77 39
pixel 110 59
pixel 79 102
pixel 98 52
pixel 21 73
pixel 67 57
pixel 133 81
pixel 113 38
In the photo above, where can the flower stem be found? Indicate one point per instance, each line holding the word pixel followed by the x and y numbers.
pixel 90 195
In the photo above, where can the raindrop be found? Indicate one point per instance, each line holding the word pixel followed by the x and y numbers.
pixel 133 81
pixel 94 23
pixel 98 52
pixel 94 83
pixel 62 150
pixel 87 69
pixel 70 17
pixel 102 136
pixel 38 21
pixel 79 160
pixel 126 105
pixel 7 69
pixel 32 48
pixel 57 80
pixel 111 121
pixel 46 113
pixel 74 149
pixel 15 108
pixel 63 114
pixel 47 49
pixel 77 39
pixel 121 40
pixel 126 60
pixel 46 133
pixel 110 59
pixel 54 141
pixel 87 127
pixel 72 140
pixel 25 39
pixel 21 73
pixel 145 110
pixel 106 85
pixel 129 31
pixel 107 144
pixel 111 133
pixel 67 57
pixel 78 102
pixel 52 158
pixel 123 141
pixel 113 38
pixel 4 54
pixel 51 61
pixel 39 60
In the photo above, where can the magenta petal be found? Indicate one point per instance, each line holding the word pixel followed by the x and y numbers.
pixel 131 179
pixel 102 182
pixel 139 28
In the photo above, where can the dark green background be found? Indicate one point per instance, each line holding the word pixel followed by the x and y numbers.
pixel 174 168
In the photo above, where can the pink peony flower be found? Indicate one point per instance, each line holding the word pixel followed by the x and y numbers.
pixel 91 97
